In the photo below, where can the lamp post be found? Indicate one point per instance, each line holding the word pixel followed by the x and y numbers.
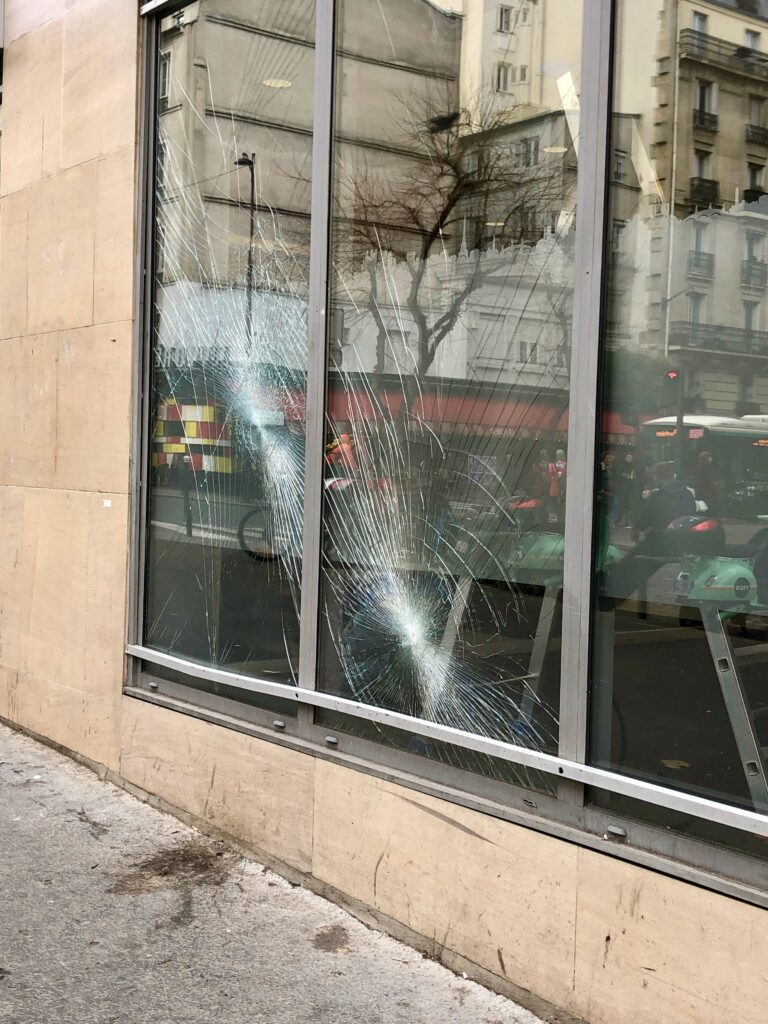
pixel 250 163
pixel 680 380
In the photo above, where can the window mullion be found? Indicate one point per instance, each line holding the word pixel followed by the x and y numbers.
pixel 583 425
pixel 318 328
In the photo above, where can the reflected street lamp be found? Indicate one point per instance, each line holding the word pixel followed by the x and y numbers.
pixel 250 163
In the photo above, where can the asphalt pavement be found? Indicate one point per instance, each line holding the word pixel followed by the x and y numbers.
pixel 114 913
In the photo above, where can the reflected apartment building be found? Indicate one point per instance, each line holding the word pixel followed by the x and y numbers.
pixel 690 248
pixel 508 220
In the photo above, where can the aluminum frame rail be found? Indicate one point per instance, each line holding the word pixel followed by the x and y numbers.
pixel 700 807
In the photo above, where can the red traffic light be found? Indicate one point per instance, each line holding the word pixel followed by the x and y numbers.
pixel 672 375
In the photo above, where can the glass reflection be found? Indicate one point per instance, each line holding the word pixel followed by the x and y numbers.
pixel 229 358
pixel 679 687
pixel 446 458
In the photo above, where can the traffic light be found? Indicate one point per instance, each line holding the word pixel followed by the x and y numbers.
pixel 672 376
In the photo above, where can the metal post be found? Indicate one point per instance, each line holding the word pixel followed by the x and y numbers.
pixel 680 424
pixel 140 472
pixel 249 273
pixel 738 707
pixel 250 163
pixel 583 423
pixel 319 256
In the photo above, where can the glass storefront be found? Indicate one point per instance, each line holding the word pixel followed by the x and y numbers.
pixel 469 464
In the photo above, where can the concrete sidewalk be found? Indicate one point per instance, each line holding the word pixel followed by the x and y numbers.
pixel 113 912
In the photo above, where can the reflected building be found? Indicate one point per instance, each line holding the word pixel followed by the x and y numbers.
pixel 493 238
pixel 690 216
pixel 483 93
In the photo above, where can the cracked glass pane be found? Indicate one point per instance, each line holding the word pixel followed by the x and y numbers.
pixel 447 416
pixel 229 356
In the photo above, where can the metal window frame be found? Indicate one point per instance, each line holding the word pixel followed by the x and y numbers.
pixel 590 248
pixel 622 785
pixel 569 765
pixel 688 858
pixel 143 333
pixel 317 368
pixel 160 6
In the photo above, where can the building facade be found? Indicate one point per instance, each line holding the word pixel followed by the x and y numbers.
pixel 384 404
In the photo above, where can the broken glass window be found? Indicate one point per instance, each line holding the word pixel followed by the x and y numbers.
pixel 229 357
pixel 447 414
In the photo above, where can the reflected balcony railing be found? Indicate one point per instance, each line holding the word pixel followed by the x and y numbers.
pixel 717 338
pixel 711 50
pixel 705 120
pixel 756 133
pixel 754 273
pixel 705 191
pixel 701 264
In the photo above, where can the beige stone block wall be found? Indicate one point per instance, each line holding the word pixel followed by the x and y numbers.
pixel 62 609
pixel 608 941
pixel 650 949
pixel 463 879
pixel 257 791
pixel 67 195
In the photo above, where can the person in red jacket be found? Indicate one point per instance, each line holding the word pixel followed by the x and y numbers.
pixel 340 456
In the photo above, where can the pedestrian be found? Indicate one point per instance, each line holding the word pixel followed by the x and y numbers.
pixel 557 472
pixel 606 493
pixel 669 500
pixel 704 482
pixel 540 484
pixel 626 489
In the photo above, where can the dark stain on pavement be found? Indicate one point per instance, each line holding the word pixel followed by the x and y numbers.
pixel 333 938
pixel 98 829
pixel 184 914
pixel 179 867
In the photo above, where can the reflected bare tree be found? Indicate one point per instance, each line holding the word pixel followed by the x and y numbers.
pixel 474 183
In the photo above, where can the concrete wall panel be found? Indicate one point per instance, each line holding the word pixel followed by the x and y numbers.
pixel 93 410
pixel 258 791
pixel 100 43
pixel 14 284
pixel 113 268
pixel 63 614
pixel 650 948
pixel 28 410
pixel 32 108
pixel 502 896
pixel 60 245
pixel 24 16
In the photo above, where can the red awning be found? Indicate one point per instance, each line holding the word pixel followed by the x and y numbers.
pixel 612 423
pixel 477 414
